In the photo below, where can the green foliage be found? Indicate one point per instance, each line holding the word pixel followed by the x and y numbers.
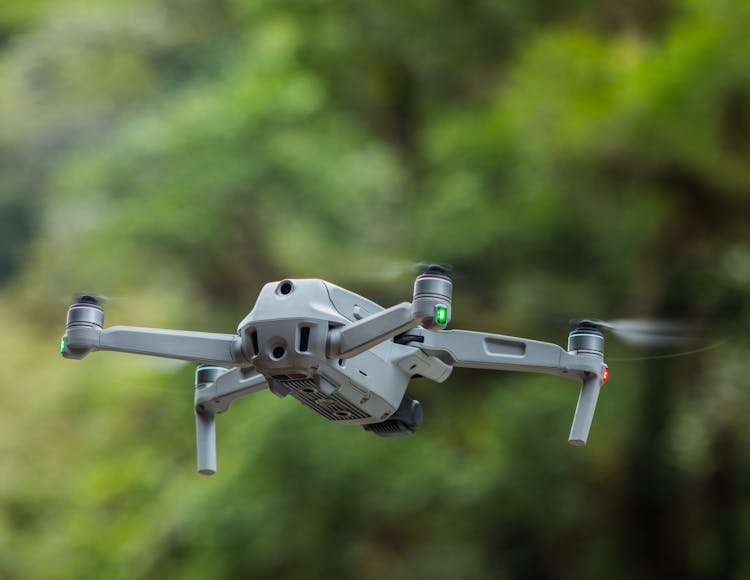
pixel 582 159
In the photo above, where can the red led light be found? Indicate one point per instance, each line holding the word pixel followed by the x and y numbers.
pixel 605 375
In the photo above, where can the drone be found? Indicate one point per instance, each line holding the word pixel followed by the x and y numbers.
pixel 343 356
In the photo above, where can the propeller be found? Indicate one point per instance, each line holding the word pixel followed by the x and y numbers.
pixel 88 299
pixel 587 337
pixel 653 333
pixel 94 298
pixel 396 269
pixel 645 331
pixel 433 267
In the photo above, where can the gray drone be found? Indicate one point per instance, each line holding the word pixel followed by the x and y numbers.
pixel 342 355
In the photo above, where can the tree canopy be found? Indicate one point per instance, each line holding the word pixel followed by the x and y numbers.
pixel 569 159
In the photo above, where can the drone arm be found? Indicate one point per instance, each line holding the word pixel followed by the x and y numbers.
pixel 178 344
pixel 355 338
pixel 185 345
pixel 463 348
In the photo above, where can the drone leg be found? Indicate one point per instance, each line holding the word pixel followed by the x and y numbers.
pixel 584 414
pixel 205 419
pixel 205 431
pixel 215 389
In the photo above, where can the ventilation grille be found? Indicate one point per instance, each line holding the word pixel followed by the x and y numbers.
pixel 333 407
pixel 390 428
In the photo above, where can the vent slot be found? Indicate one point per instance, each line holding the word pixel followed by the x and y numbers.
pixel 254 339
pixel 304 338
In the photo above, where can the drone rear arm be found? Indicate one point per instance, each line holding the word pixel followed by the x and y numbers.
pixel 479 350
pixel 461 348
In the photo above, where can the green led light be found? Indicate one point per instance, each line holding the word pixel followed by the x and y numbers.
pixel 62 345
pixel 441 314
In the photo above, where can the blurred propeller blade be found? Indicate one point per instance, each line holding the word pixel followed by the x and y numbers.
pixel 654 333
pixel 698 350
pixel 92 298
pixel 649 332
pixel 401 269
pixel 442 267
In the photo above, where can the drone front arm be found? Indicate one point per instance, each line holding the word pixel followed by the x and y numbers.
pixel 355 338
pixel 202 347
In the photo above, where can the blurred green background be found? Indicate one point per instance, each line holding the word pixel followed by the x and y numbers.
pixel 569 158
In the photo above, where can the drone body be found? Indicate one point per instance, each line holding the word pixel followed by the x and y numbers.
pixel 287 341
pixel 342 355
